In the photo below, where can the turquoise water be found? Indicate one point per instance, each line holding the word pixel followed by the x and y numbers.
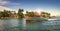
pixel 21 25
pixel 13 25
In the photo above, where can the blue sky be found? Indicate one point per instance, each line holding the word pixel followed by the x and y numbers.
pixel 52 6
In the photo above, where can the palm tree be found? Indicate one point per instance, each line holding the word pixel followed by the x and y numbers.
pixel 20 13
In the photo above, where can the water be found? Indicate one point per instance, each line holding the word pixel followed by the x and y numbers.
pixel 21 25
pixel 13 25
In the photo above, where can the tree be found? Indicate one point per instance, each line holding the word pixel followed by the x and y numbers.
pixel 45 14
pixel 6 13
pixel 30 14
pixel 1 14
pixel 20 13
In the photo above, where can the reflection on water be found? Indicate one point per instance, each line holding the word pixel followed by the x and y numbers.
pixel 13 24
pixel 21 25
pixel 51 25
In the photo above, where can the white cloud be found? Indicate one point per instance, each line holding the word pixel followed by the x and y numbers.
pixel 2 2
pixel 4 8
pixel 5 2
pixel 14 4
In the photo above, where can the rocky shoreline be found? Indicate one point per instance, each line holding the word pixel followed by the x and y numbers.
pixel 36 19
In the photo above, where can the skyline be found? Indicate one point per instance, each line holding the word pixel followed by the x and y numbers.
pixel 51 6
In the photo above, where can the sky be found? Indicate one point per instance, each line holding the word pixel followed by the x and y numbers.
pixel 50 6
